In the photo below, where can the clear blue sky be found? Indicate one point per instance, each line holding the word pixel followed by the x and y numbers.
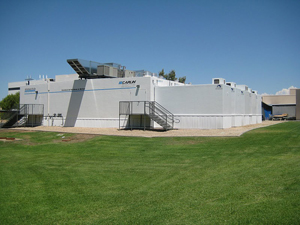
pixel 252 42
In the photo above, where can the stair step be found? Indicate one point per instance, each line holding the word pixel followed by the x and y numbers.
pixel 159 114
pixel 161 122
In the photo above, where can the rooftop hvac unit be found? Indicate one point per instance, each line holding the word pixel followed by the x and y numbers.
pixel 144 73
pixel 129 73
pixel 242 87
pixel 89 69
pixel 231 84
pixel 139 73
pixel 218 81
pixel 109 71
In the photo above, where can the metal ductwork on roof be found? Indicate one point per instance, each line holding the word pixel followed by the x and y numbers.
pixel 90 70
pixel 84 68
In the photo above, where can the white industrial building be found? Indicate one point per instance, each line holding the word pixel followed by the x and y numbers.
pixel 107 95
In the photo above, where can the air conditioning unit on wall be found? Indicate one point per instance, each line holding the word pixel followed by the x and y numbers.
pixel 218 81
pixel 242 87
pixel 231 84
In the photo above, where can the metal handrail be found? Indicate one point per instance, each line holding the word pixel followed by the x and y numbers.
pixel 164 111
pixel 166 115
pixel 11 116
pixel 168 112
pixel 24 107
pixel 155 111
pixel 23 110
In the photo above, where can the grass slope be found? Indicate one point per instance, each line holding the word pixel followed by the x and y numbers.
pixel 252 179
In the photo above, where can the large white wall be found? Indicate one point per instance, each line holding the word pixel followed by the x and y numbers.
pixel 197 106
pixel 196 99
pixel 95 102
pixel 86 102
pixel 209 106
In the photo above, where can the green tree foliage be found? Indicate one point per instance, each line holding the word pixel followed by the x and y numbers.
pixel 10 101
pixel 162 73
pixel 171 76
pixel 182 79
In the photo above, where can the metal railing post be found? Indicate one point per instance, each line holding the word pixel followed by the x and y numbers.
pixel 32 115
pixel 144 115
pixel 129 115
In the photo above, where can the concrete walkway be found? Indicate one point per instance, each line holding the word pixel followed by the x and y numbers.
pixel 230 132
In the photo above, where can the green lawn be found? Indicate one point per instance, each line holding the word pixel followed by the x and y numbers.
pixel 252 179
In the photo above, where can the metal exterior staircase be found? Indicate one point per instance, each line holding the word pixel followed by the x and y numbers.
pixel 22 121
pixel 13 117
pixel 152 109
pixel 10 120
pixel 19 116
pixel 160 115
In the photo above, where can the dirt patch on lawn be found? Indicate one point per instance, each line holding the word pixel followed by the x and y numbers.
pixel 6 135
pixel 9 139
pixel 76 138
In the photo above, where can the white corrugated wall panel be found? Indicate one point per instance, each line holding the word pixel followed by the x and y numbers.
pixel 100 123
pixel 199 122
pixel 227 121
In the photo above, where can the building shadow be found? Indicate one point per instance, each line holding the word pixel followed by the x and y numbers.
pixel 77 93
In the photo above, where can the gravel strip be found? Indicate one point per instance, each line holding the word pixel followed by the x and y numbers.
pixel 230 132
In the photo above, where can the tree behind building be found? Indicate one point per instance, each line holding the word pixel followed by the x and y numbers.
pixel 171 76
pixel 10 101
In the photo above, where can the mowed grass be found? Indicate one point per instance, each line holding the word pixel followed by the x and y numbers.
pixel 252 179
